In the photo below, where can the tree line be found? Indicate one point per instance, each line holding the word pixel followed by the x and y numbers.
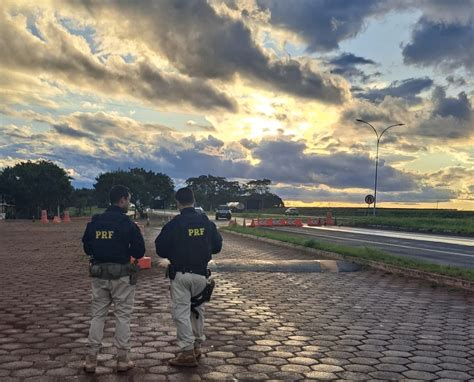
pixel 34 186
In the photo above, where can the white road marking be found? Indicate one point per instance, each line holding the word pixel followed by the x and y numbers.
pixel 389 244
pixel 401 235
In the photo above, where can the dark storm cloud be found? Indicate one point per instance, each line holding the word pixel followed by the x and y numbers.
pixel 407 89
pixel 347 64
pixel 451 117
pixel 286 162
pixel 65 129
pixel 308 194
pixel 348 59
pixel 204 44
pixel 450 46
pixel 456 81
pixel 459 107
pixel 62 58
pixel 322 23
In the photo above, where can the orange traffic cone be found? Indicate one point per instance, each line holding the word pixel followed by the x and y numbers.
pixel 66 218
pixel 57 220
pixel 44 217
pixel 329 220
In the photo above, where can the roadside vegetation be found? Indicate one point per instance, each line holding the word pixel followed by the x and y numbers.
pixel 415 220
pixel 363 254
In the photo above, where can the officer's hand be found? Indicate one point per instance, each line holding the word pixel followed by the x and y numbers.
pixel 141 228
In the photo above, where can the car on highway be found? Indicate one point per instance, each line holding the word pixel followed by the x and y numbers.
pixel 223 211
pixel 292 211
pixel 200 210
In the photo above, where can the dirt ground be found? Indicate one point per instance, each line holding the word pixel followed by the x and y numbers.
pixel 363 325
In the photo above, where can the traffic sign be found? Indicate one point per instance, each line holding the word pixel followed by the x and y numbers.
pixel 369 199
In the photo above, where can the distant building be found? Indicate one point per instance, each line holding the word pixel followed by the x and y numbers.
pixel 7 211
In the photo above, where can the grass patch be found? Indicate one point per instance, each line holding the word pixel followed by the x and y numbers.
pixel 433 224
pixel 362 253
pixel 461 226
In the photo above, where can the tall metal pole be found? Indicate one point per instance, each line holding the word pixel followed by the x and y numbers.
pixel 379 136
pixel 376 172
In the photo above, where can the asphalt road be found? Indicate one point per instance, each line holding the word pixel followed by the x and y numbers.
pixel 446 250
pixel 440 249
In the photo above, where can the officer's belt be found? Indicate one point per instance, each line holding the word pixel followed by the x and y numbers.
pixel 110 271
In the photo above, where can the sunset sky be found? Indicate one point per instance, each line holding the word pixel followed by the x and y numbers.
pixel 247 89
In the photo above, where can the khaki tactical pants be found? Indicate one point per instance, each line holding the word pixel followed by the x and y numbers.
pixel 122 294
pixel 189 329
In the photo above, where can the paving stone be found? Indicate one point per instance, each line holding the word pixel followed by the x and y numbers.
pixel 385 375
pixel 364 360
pixel 423 367
pixel 421 359
pixel 273 361
pixel 327 368
pixel 16 365
pixel 302 361
pixel 295 368
pixel 457 375
pixel 370 326
pixel 359 368
pixel 420 375
pixel 352 376
pixel 391 367
pixel 29 372
pixel 320 375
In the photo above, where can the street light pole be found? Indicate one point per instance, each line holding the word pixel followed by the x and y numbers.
pixel 379 136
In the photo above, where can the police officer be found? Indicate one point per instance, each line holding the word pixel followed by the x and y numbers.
pixel 188 242
pixel 110 240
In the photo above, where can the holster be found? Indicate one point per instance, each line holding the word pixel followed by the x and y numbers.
pixel 204 296
pixel 170 272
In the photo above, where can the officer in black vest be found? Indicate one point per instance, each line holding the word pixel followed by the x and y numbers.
pixel 110 240
pixel 188 242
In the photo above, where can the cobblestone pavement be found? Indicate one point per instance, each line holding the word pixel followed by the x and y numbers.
pixel 363 325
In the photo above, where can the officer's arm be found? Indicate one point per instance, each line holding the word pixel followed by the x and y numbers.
pixel 216 239
pixel 163 241
pixel 85 242
pixel 137 244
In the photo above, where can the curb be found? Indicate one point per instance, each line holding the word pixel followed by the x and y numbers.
pixel 427 276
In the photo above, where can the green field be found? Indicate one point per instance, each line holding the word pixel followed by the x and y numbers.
pixel 361 253
pixel 418 220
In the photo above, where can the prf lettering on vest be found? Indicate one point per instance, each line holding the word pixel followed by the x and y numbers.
pixel 104 234
pixel 192 232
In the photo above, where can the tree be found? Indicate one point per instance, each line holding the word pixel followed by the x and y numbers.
pixel 83 198
pixel 259 187
pixel 259 190
pixel 144 186
pixel 210 191
pixel 32 186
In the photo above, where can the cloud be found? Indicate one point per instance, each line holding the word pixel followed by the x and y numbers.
pixel 201 43
pixel 67 58
pixel 346 64
pixel 322 24
pixel 449 46
pixel 196 126
pixel 451 117
pixel 407 89
pixel 456 81
pixel 459 107
pixel 287 162
pixel 313 194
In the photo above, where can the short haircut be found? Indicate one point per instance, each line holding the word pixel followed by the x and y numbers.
pixel 185 196
pixel 118 192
